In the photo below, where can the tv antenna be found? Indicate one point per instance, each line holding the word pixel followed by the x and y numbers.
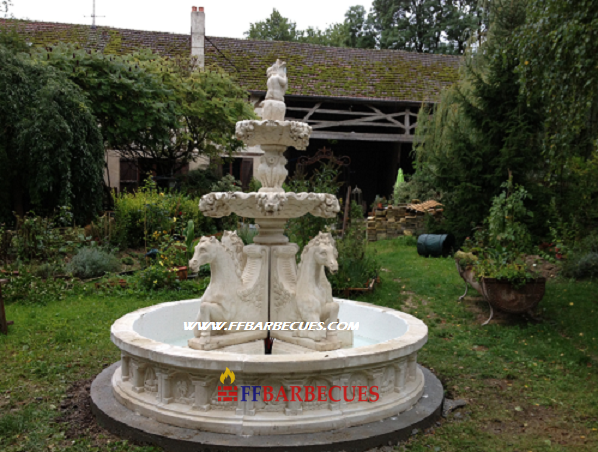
pixel 93 15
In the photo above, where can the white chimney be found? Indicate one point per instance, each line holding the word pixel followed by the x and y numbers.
pixel 198 35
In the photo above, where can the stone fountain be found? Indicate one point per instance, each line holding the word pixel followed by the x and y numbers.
pixel 198 387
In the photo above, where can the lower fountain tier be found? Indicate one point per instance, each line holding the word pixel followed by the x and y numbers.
pixel 282 417
pixel 161 379
pixel 269 205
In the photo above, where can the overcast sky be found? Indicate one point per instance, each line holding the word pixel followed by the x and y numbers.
pixel 226 18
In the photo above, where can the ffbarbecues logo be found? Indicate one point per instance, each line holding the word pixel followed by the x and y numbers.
pixel 294 393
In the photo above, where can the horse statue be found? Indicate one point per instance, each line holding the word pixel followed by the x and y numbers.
pixel 227 298
pixel 313 296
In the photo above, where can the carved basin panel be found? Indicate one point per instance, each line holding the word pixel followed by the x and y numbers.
pixel 269 132
pixel 181 386
pixel 269 205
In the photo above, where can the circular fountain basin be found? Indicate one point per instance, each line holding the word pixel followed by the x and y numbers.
pixel 160 378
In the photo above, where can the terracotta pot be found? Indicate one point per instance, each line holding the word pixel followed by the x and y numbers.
pixel 181 273
pixel 502 295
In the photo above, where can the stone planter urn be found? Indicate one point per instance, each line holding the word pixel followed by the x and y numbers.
pixel 504 296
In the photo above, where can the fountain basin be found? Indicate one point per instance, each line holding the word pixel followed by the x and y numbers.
pixel 163 380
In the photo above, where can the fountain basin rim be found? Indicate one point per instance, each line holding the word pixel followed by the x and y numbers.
pixel 269 204
pixel 124 336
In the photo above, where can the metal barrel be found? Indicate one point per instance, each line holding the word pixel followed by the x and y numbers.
pixel 435 245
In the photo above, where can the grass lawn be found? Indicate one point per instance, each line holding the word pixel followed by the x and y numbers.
pixel 529 387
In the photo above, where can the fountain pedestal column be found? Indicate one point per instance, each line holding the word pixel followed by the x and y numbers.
pixel 271 231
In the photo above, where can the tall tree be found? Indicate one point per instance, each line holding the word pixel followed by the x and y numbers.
pixel 161 110
pixel 484 128
pixel 434 26
pixel 360 29
pixel 334 35
pixel 357 30
pixel 51 151
pixel 5 6
pixel 274 28
pixel 558 63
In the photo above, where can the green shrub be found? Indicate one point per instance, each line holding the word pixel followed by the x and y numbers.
pixel 585 266
pixel 91 262
pixel 48 270
pixel 198 182
pixel 246 233
pixel 582 261
pixel 408 240
pixel 27 288
pixel 324 180
pixel 355 268
pixel 158 277
pixel 140 214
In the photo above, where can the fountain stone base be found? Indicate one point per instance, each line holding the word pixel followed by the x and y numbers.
pixel 140 429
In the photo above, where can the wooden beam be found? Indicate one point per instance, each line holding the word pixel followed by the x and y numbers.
pixel 335 112
pixel 312 111
pixel 349 122
pixel 391 119
pixel 355 124
pixel 354 136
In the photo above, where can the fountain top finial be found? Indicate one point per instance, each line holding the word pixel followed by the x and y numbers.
pixel 277 81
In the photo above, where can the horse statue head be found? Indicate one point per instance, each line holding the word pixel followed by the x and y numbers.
pixel 206 251
pixel 323 250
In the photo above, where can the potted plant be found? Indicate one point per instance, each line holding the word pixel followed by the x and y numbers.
pixel 496 256
pixel 357 271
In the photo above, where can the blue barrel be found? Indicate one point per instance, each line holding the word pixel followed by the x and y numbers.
pixel 435 245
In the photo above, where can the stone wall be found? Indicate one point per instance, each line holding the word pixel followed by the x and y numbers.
pixel 402 219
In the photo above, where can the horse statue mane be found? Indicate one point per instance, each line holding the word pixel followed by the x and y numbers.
pixel 323 238
pixel 234 246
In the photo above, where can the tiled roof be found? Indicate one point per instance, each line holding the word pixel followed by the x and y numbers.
pixel 313 70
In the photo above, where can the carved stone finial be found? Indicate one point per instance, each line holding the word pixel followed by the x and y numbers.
pixel 277 81
pixel 274 108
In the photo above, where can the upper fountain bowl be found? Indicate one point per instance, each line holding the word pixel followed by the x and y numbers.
pixel 278 133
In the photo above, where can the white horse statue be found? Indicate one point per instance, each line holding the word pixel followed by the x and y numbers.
pixel 221 300
pixel 313 296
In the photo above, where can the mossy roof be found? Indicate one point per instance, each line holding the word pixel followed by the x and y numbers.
pixel 313 70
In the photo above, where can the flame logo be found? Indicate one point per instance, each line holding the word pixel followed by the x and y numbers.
pixel 227 373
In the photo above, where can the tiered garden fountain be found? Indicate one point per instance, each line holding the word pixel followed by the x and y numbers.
pixel 170 387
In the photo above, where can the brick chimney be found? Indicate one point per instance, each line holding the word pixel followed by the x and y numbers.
pixel 198 34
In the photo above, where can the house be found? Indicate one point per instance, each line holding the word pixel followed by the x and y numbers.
pixel 361 103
